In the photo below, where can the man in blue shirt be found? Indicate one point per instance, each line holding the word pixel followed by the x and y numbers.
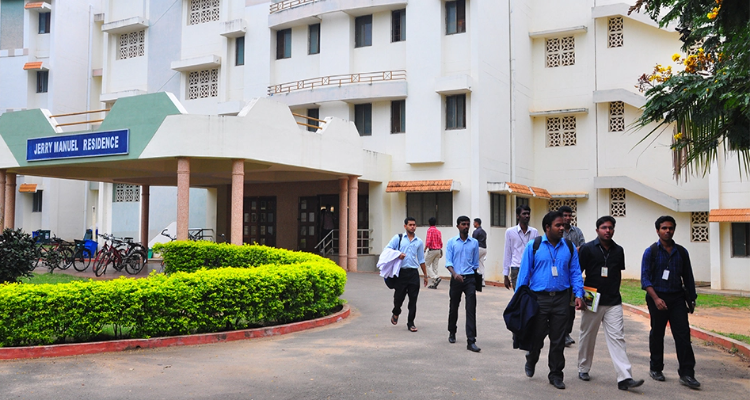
pixel 551 272
pixel 462 260
pixel 407 282
pixel 665 269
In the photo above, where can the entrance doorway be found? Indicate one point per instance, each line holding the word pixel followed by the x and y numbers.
pixel 259 221
pixel 317 217
pixel 308 223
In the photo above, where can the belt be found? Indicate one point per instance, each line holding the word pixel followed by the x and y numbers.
pixel 434 249
pixel 515 267
pixel 552 294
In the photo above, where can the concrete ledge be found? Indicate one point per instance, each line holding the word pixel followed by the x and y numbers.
pixel 75 349
pixel 701 334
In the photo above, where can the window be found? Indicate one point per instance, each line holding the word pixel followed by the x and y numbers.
pixel 203 84
pixel 44 22
pixel 37 202
pixel 699 226
pixel 455 17
pixel 202 11
pixel 617 202
pixel 561 131
pixel 423 206
pixel 363 118
pixel 42 79
pixel 561 52
pixel 616 116
pixel 313 42
pixel 555 204
pixel 363 31
pixel 398 116
pixel 455 112
pixel 130 45
pixel 313 113
pixel 127 193
pixel 284 44
pixel 614 32
pixel 522 201
pixel 741 240
pixel 499 210
pixel 398 26
pixel 239 51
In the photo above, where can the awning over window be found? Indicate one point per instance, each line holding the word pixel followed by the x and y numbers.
pixel 570 195
pixel 729 215
pixel 34 66
pixel 518 189
pixel 447 185
pixel 38 6
pixel 27 188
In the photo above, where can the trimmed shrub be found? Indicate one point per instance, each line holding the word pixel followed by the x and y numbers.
pixel 189 256
pixel 17 255
pixel 164 305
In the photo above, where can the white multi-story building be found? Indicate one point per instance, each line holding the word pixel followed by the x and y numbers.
pixel 464 107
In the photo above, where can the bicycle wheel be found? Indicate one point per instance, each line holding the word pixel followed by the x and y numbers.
pixel 38 256
pixel 135 262
pixel 118 260
pixel 82 259
pixel 101 264
pixel 66 258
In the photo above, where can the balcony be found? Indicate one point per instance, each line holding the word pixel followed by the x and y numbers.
pixel 288 13
pixel 382 85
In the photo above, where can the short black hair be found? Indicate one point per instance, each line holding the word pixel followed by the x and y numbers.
pixel 565 209
pixel 606 218
pixel 407 219
pixel 462 219
pixel 549 218
pixel 432 221
pixel 477 220
pixel 521 208
pixel 663 219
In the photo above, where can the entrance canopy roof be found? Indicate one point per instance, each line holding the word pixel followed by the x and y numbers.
pixel 142 137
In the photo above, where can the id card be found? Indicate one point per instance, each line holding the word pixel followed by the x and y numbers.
pixel 665 275
pixel 605 270
pixel 554 271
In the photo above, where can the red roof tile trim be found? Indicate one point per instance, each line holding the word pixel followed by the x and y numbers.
pixel 729 215
pixel 419 186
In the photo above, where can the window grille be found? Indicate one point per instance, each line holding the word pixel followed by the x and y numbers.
pixel 616 116
pixel 127 193
pixel 202 11
pixel 614 32
pixel 699 226
pixel 561 52
pixel 617 202
pixel 561 131
pixel 131 45
pixel 555 205
pixel 203 84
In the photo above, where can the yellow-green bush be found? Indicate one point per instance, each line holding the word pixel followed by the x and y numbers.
pixel 163 305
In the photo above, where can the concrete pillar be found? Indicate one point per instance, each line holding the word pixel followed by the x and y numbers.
pixel 2 198
pixel 238 198
pixel 145 195
pixel 183 198
pixel 10 201
pixel 353 195
pixel 343 218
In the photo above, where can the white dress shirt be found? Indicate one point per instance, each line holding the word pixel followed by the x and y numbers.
pixel 515 243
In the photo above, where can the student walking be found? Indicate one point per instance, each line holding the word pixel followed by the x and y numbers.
pixel 462 260
pixel 407 282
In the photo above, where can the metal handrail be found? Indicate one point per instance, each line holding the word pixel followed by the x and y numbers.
pixel 333 235
pixel 309 118
pixel 79 113
pixel 285 5
pixel 338 80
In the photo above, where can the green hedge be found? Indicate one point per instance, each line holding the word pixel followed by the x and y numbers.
pixel 190 256
pixel 164 305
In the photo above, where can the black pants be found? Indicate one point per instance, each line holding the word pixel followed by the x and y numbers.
pixel 553 317
pixel 572 316
pixel 677 316
pixel 469 289
pixel 406 283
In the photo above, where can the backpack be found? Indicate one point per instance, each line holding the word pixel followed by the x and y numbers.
pixel 391 280
pixel 538 242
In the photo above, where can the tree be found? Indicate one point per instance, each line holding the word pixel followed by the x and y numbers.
pixel 708 102
pixel 17 254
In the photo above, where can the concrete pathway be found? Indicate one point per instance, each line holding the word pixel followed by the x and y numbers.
pixel 366 357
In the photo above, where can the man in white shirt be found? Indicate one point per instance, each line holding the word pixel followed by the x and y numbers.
pixel 516 239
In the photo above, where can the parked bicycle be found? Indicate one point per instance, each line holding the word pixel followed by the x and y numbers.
pixel 54 253
pixel 121 254
pixel 81 256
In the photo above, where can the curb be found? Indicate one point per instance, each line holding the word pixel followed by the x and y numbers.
pixel 698 333
pixel 75 349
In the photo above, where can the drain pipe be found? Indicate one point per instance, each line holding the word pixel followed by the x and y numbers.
pixel 512 97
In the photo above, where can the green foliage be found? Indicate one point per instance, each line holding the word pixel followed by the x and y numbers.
pixel 189 256
pixel 632 293
pixel 162 305
pixel 17 253
pixel 53 279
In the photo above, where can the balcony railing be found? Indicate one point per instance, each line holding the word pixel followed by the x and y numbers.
pixel 337 80
pixel 285 5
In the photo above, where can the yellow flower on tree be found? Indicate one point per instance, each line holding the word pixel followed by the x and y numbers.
pixel 675 56
pixel 678 136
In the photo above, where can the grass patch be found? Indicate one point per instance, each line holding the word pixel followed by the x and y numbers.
pixel 52 279
pixel 633 294
pixel 735 336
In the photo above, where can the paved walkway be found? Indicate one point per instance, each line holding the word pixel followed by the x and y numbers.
pixel 366 357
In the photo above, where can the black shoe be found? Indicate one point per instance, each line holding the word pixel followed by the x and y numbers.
pixel 452 338
pixel 529 368
pixel 690 382
pixel 657 376
pixel 473 347
pixel 584 376
pixel 629 383
pixel 432 287
pixel 569 340
pixel 437 282
pixel 557 382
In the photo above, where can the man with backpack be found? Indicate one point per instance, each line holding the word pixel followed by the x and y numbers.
pixel 550 269
pixel 407 282
pixel 667 278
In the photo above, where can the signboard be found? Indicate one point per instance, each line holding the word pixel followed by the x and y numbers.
pixel 79 145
